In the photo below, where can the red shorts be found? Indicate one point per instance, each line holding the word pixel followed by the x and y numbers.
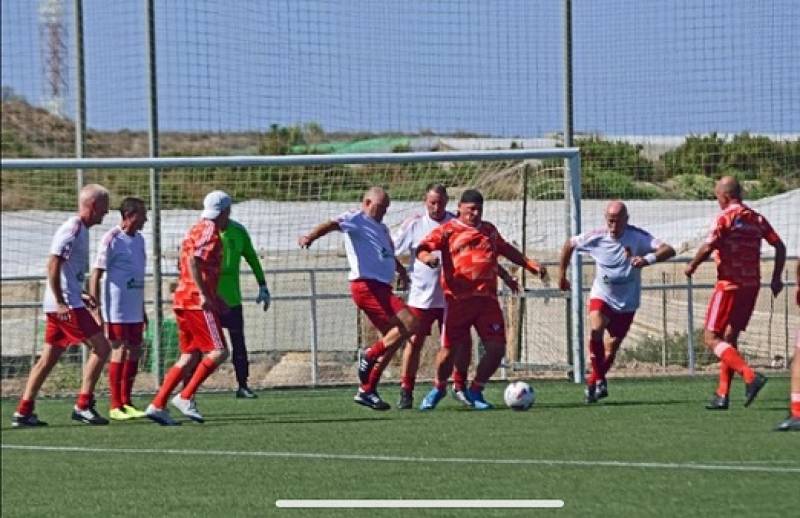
pixel 199 330
pixel 425 319
pixel 378 302
pixel 730 308
pixel 128 333
pixel 78 329
pixel 618 323
pixel 483 313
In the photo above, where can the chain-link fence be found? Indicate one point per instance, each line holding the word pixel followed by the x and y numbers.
pixel 667 96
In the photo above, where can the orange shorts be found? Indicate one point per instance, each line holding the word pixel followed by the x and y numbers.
pixel 731 307
pixel 199 330
pixel 78 329
pixel 128 333
pixel 483 313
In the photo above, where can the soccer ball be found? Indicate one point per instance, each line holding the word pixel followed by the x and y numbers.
pixel 519 396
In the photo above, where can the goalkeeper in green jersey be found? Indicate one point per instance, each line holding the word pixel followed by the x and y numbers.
pixel 236 244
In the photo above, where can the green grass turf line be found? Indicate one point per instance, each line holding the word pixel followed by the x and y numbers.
pixel 643 422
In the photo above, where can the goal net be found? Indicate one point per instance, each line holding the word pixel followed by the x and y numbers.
pixel 312 331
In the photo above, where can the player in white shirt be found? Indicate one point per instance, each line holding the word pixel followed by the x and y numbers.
pixel 620 251
pixel 121 256
pixel 425 296
pixel 370 253
pixel 68 320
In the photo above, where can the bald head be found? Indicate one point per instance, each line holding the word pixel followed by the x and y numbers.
pixel 616 218
pixel 91 193
pixel 92 204
pixel 375 203
pixel 728 189
pixel 375 194
pixel 616 208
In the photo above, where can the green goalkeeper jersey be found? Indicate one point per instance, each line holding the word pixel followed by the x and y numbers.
pixel 236 244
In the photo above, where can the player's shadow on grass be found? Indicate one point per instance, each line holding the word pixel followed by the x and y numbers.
pixel 581 404
pixel 223 420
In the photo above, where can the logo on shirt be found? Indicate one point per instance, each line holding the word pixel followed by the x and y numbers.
pixel 133 284
pixel 80 276
pixel 385 254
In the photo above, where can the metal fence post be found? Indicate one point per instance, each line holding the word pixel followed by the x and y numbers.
pixel 574 171
pixel 36 323
pixel 664 319
pixel 155 190
pixel 786 306
pixel 314 331
pixel 80 115
pixel 690 326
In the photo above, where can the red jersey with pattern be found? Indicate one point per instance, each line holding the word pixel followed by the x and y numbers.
pixel 469 257
pixel 736 239
pixel 204 242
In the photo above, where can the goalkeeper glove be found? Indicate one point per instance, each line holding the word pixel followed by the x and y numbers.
pixel 264 297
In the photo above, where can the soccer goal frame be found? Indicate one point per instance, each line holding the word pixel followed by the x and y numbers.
pixel 572 198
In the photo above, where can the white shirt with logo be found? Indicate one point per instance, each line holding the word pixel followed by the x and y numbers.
pixel 369 247
pixel 616 281
pixel 123 257
pixel 71 243
pixel 426 290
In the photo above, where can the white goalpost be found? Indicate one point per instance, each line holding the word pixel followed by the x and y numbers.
pixel 309 335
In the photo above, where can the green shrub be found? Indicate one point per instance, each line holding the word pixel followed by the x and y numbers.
pixel 649 350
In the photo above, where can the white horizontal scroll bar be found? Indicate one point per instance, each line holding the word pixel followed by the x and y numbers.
pixel 421 504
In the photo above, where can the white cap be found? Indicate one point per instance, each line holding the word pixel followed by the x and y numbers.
pixel 214 203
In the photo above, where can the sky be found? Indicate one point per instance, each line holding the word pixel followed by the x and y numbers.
pixel 641 67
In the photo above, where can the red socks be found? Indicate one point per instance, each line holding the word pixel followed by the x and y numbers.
pixel 407 382
pixel 129 370
pixel 115 383
pixel 375 350
pixel 84 400
pixel 725 378
pixel 795 406
pixel 171 380
pixel 597 355
pixel 375 375
pixel 203 371
pixel 731 357
pixel 25 407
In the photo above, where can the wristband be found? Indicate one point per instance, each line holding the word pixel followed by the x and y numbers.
pixel 650 258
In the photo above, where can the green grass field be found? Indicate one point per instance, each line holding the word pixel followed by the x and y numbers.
pixel 649 450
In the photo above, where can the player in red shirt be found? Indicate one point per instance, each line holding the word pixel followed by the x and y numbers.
pixel 197 311
pixel 735 241
pixel 470 249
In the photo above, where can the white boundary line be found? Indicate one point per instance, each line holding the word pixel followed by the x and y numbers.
pixel 422 460
pixel 420 504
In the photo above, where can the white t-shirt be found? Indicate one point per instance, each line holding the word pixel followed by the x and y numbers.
pixel 426 290
pixel 71 243
pixel 617 282
pixel 369 247
pixel 123 258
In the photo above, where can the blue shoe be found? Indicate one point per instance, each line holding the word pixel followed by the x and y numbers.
pixel 432 399
pixel 478 403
